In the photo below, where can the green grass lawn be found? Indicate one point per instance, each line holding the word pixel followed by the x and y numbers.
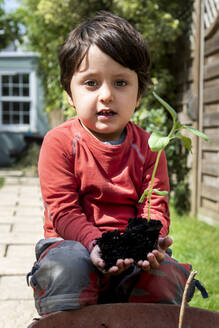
pixel 197 243
pixel 1 182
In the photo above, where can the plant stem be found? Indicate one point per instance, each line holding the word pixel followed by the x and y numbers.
pixel 150 191
pixel 182 309
pixel 152 184
pixel 155 169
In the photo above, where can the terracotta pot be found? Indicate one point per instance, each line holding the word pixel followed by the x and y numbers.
pixel 129 315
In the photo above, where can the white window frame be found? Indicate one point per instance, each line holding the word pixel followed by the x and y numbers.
pixel 31 126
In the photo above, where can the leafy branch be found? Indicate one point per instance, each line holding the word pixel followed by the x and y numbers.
pixel 158 142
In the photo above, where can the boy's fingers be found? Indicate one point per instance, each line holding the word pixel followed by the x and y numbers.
pixel 113 269
pixel 164 243
pixel 154 264
pixel 144 265
pixel 121 265
pixel 99 264
pixel 128 262
pixel 96 258
pixel 124 263
pixel 160 256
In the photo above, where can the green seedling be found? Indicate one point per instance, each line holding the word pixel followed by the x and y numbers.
pixel 158 142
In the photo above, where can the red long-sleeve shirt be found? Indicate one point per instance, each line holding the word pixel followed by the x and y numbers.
pixel 89 187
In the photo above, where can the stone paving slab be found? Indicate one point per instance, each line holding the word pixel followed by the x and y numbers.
pixel 8 200
pixel 22 219
pixel 5 227
pixel 10 173
pixel 16 238
pixel 31 202
pixel 18 288
pixel 29 192
pixel 29 211
pixel 16 176
pixel 9 192
pixel 24 251
pixel 9 188
pixel 2 250
pixel 21 226
pixel 11 181
pixel 17 313
pixel 28 227
pixel 29 184
pixel 6 210
pixel 9 267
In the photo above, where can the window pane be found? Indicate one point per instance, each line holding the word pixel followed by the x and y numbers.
pixel 26 107
pixel 15 112
pixel 5 106
pixel 5 79
pixel 5 91
pixel 16 106
pixel 15 119
pixel 25 78
pixel 26 91
pixel 15 85
pixel 15 91
pixel 6 119
pixel 26 119
pixel 15 79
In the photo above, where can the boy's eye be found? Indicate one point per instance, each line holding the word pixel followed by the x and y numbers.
pixel 121 83
pixel 91 83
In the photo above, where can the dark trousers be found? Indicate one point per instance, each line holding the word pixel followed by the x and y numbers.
pixel 63 278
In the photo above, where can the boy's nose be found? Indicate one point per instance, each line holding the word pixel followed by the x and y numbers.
pixel 106 94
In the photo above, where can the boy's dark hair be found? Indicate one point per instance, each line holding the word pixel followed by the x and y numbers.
pixel 115 37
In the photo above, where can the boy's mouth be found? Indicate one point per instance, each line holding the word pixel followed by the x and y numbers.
pixel 106 113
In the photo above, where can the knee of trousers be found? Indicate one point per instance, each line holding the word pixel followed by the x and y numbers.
pixel 64 269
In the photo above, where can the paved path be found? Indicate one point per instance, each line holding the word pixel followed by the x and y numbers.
pixel 21 218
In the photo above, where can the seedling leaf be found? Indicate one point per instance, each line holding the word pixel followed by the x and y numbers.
pixel 187 142
pixel 160 193
pixel 197 132
pixel 157 142
pixel 166 105
pixel 178 125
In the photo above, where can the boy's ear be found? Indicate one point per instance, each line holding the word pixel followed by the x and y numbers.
pixel 138 101
pixel 70 100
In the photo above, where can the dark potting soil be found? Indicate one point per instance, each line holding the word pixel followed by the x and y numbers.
pixel 139 238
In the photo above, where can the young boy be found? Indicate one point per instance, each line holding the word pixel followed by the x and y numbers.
pixel 93 170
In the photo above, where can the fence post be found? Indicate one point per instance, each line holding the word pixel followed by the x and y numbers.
pixel 198 90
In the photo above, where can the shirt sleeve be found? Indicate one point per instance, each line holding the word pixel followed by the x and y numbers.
pixel 59 189
pixel 159 204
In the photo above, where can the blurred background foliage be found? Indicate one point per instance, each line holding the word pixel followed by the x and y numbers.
pixel 164 24
pixel 9 28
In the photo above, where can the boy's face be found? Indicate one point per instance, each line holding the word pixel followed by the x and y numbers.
pixel 104 94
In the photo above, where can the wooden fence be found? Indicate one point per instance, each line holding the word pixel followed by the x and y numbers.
pixel 198 100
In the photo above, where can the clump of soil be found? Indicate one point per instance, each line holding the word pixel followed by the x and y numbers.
pixel 139 238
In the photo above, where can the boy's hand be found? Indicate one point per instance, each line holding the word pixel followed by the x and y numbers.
pixel 153 259
pixel 156 256
pixel 121 265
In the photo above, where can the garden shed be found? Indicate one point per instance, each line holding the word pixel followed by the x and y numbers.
pixel 198 104
pixel 21 103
